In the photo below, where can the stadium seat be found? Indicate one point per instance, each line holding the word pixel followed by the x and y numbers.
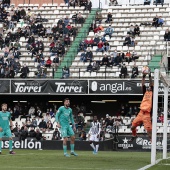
pixel 156 9
pixel 93 74
pixel 137 48
pixel 91 34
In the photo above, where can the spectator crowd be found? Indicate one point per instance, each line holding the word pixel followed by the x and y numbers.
pixel 33 29
pixel 19 24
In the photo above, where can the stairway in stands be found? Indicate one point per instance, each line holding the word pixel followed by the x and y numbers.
pixel 155 62
pixel 72 52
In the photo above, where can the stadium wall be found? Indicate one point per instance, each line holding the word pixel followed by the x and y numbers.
pixel 74 87
pixel 122 143
pixel 80 145
pixel 55 145
pixel 142 143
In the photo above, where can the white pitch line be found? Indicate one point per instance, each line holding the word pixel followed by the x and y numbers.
pixel 17 154
pixel 150 165
pixel 164 164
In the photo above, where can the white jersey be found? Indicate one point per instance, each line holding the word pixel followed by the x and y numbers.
pixel 95 128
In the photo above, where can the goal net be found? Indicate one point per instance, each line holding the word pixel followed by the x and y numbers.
pixel 161 147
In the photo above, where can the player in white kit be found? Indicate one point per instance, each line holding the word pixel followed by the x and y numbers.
pixel 94 134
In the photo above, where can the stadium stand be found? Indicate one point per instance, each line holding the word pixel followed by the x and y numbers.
pixel 19 23
pixel 124 21
pixel 123 18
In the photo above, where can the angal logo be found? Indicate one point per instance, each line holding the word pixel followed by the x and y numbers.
pixel 94 86
pixel 32 86
pixel 109 87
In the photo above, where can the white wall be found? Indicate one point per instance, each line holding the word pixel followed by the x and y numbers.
pixel 124 2
pixel 95 3
pixel 105 3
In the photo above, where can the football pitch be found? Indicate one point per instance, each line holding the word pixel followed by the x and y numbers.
pixel 52 159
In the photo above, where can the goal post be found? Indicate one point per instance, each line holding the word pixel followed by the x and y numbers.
pixel 165 78
pixel 166 88
pixel 154 117
pixel 158 75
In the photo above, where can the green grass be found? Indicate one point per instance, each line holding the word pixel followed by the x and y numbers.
pixel 43 160
pixel 162 165
pixel 47 159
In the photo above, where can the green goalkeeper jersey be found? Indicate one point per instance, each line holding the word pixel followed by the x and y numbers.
pixel 64 116
pixel 5 118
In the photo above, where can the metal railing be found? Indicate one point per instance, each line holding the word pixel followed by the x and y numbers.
pixel 81 73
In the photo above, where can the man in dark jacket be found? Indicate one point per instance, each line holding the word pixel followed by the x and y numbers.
pixel 89 55
pixel 134 71
pixel 155 21
pixel 127 41
pixel 88 6
pixel 32 133
pixel 123 71
pixel 56 61
pixel 24 133
pixel 105 61
pixel 167 35
pixel 96 40
pixel 42 124
pixel 22 13
pixel 56 135
pixel 118 60
pixel 38 134
pixel 24 71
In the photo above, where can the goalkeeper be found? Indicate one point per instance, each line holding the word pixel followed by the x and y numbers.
pixel 144 116
pixel 5 131
pixel 63 117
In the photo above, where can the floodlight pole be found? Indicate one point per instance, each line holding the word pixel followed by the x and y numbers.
pixel 166 88
pixel 154 117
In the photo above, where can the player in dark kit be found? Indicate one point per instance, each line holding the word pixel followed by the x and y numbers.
pixel 5 124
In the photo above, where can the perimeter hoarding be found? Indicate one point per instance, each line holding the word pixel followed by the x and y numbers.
pixel 118 87
pixel 49 86
pixel 141 143
pixel 4 86
pixel 74 87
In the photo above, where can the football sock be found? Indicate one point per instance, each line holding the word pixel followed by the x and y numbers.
pixel 92 145
pixel 0 145
pixel 97 147
pixel 10 145
pixel 72 147
pixel 134 132
pixel 65 148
